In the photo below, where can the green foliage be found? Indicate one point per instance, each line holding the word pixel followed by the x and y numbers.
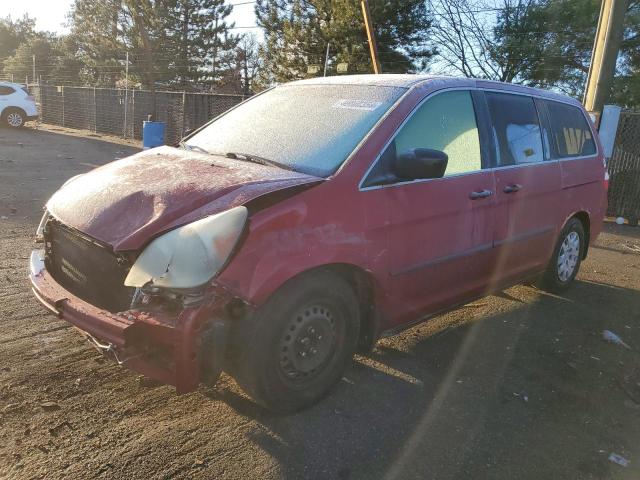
pixel 549 44
pixel 626 85
pixel 202 39
pixel 297 33
pixel 97 28
pixel 189 44
pixel 54 60
pixel 14 33
pixel 170 42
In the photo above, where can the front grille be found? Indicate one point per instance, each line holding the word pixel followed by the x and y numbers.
pixel 85 268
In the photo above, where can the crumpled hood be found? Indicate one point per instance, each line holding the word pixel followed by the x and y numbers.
pixel 128 202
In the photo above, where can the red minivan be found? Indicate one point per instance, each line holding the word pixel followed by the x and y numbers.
pixel 315 218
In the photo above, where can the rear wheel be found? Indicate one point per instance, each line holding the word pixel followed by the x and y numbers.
pixel 301 341
pixel 566 259
pixel 13 118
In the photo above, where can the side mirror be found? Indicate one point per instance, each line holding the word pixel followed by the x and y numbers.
pixel 420 163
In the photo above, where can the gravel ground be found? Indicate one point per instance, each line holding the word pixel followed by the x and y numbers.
pixel 517 385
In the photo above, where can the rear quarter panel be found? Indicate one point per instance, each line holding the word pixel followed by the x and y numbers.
pixel 583 186
pixel 583 190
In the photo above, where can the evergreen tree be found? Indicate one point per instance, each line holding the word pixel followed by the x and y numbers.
pixel 203 41
pixel 98 30
pixel 170 42
pixel 297 33
pixel 552 44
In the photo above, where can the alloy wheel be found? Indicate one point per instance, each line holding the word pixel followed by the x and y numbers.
pixel 15 120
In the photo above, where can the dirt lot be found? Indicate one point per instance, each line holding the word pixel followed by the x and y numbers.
pixel 518 385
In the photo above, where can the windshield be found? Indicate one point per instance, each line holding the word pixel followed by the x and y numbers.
pixel 308 128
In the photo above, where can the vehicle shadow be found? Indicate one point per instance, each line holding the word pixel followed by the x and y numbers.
pixel 516 393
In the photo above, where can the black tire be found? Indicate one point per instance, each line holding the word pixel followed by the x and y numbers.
pixel 274 366
pixel 556 279
pixel 13 118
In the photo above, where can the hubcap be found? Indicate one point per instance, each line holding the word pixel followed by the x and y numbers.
pixel 307 343
pixel 568 256
pixel 14 119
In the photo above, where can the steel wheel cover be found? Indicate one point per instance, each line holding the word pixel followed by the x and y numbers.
pixel 568 256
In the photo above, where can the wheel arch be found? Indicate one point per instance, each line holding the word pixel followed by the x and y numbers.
pixel 585 219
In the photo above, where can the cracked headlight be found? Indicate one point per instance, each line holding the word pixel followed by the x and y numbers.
pixel 189 256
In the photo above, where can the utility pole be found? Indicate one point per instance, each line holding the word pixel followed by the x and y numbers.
pixel 604 55
pixel 326 60
pixel 373 49
pixel 126 95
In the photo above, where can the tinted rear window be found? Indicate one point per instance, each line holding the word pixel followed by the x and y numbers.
pixel 570 132
pixel 516 129
pixel 4 90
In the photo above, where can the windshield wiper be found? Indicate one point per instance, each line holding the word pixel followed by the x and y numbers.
pixel 194 147
pixel 249 157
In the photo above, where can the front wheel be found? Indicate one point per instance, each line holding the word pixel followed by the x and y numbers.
pixel 13 118
pixel 566 259
pixel 300 342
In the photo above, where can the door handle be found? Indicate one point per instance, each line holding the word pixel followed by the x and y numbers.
pixel 480 194
pixel 514 187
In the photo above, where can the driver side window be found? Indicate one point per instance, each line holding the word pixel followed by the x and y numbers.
pixel 445 122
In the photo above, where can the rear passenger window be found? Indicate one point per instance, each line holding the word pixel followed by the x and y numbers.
pixel 570 132
pixel 445 122
pixel 516 129
pixel 6 90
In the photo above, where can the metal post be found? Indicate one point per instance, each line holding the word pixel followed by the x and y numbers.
pixel 184 111
pixel 126 95
pixel 373 49
pixel 95 112
pixel 605 54
pixel 214 57
pixel 326 60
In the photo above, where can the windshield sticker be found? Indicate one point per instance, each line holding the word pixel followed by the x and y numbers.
pixel 356 104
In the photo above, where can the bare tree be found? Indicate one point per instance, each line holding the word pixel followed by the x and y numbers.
pixel 249 60
pixel 464 35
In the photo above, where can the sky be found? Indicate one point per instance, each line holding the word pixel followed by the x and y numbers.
pixel 51 15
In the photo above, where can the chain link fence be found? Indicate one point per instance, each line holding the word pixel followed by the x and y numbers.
pixel 624 170
pixel 121 112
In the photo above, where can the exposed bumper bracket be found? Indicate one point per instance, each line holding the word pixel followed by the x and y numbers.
pixel 166 348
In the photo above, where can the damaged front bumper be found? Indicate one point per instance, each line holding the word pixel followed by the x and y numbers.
pixel 164 347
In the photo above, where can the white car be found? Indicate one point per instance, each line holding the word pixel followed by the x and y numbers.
pixel 16 105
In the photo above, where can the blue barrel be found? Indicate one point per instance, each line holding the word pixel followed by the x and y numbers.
pixel 152 134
